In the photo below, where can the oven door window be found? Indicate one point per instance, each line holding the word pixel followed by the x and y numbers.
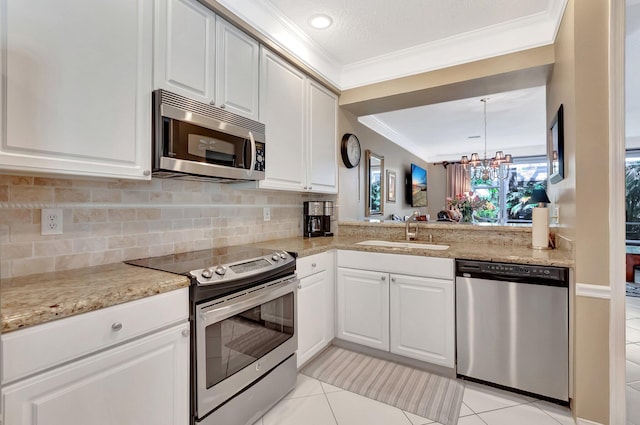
pixel 191 142
pixel 236 342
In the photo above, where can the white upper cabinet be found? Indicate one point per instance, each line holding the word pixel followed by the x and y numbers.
pixel 237 66
pixel 77 97
pixel 322 160
pixel 282 110
pixel 185 49
pixel 300 118
pixel 201 56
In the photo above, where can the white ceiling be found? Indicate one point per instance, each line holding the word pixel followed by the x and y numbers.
pixel 364 29
pixel 516 124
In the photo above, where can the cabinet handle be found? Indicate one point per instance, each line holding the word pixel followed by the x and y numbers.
pixel 116 326
pixel 313 264
pixel 393 279
pixel 222 106
pixel 146 173
pixel 186 332
pixel 300 286
pixel 383 278
pixel 213 102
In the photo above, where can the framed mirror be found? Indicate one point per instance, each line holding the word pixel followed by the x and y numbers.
pixel 374 188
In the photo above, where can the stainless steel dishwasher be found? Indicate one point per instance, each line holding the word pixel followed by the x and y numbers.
pixel 512 327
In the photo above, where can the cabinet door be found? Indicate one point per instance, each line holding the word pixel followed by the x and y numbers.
pixel 323 169
pixel 237 65
pixel 315 309
pixel 144 382
pixel 422 319
pixel 78 87
pixel 363 307
pixel 282 110
pixel 185 49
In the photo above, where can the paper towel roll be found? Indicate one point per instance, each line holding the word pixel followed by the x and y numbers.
pixel 540 228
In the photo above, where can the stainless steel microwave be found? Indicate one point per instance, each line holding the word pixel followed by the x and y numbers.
pixel 196 141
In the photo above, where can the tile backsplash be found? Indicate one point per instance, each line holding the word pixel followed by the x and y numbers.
pixel 107 221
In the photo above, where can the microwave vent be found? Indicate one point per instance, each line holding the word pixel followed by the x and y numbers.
pixel 210 111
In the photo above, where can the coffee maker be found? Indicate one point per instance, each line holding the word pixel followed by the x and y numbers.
pixel 317 218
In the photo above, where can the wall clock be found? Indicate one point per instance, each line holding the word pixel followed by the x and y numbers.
pixel 350 150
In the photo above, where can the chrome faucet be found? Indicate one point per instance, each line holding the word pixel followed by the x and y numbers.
pixel 411 236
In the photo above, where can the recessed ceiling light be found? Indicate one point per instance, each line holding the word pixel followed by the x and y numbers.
pixel 320 22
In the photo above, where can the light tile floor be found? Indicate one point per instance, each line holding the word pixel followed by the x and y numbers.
pixel 315 403
pixel 633 361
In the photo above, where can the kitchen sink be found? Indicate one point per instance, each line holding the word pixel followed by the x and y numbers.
pixel 413 245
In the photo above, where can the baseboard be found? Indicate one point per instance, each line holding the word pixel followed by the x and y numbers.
pixel 580 421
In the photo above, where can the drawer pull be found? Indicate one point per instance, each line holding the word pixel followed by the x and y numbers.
pixel 300 286
pixel 186 332
pixel 383 278
pixel 313 264
pixel 116 326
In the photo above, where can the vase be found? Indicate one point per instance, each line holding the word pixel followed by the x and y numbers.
pixel 467 215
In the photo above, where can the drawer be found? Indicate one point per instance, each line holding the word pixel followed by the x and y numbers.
pixel 44 346
pixel 413 265
pixel 307 266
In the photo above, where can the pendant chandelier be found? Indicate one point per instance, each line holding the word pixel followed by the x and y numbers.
pixel 486 169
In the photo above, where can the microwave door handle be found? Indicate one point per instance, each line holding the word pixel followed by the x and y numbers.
pixel 253 152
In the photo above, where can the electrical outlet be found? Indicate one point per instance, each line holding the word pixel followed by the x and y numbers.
pixel 266 213
pixel 51 221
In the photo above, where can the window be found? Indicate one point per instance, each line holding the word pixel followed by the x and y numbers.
pixel 508 200
pixel 632 197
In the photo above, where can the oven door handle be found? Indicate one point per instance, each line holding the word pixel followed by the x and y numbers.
pixel 225 309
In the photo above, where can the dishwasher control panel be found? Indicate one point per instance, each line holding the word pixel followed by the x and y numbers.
pixel 491 270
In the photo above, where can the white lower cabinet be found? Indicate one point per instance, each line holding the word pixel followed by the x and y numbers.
pixel 422 319
pixel 315 305
pixel 363 307
pixel 143 380
pixel 398 303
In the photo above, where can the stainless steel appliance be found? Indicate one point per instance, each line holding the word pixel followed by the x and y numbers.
pixel 317 218
pixel 513 327
pixel 194 140
pixel 244 338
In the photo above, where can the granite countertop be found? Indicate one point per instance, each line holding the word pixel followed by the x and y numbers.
pixel 493 252
pixel 40 298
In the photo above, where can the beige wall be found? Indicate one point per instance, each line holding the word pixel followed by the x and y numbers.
pixel 351 198
pixel 107 221
pixel 580 82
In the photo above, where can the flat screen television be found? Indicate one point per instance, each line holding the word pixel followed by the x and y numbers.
pixel 417 186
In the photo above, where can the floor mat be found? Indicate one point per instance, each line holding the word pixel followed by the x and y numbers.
pixel 413 390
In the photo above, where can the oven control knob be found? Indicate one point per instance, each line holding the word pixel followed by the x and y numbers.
pixel 207 273
pixel 275 257
pixel 220 270
pixel 283 255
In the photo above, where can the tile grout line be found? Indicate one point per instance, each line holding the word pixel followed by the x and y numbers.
pixel 324 392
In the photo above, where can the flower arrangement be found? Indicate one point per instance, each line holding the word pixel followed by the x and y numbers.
pixel 465 203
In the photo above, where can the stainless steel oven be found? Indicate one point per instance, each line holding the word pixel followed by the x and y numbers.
pixel 244 330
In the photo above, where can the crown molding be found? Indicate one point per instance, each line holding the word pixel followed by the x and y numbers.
pixel 520 34
pixel 501 39
pixel 380 127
